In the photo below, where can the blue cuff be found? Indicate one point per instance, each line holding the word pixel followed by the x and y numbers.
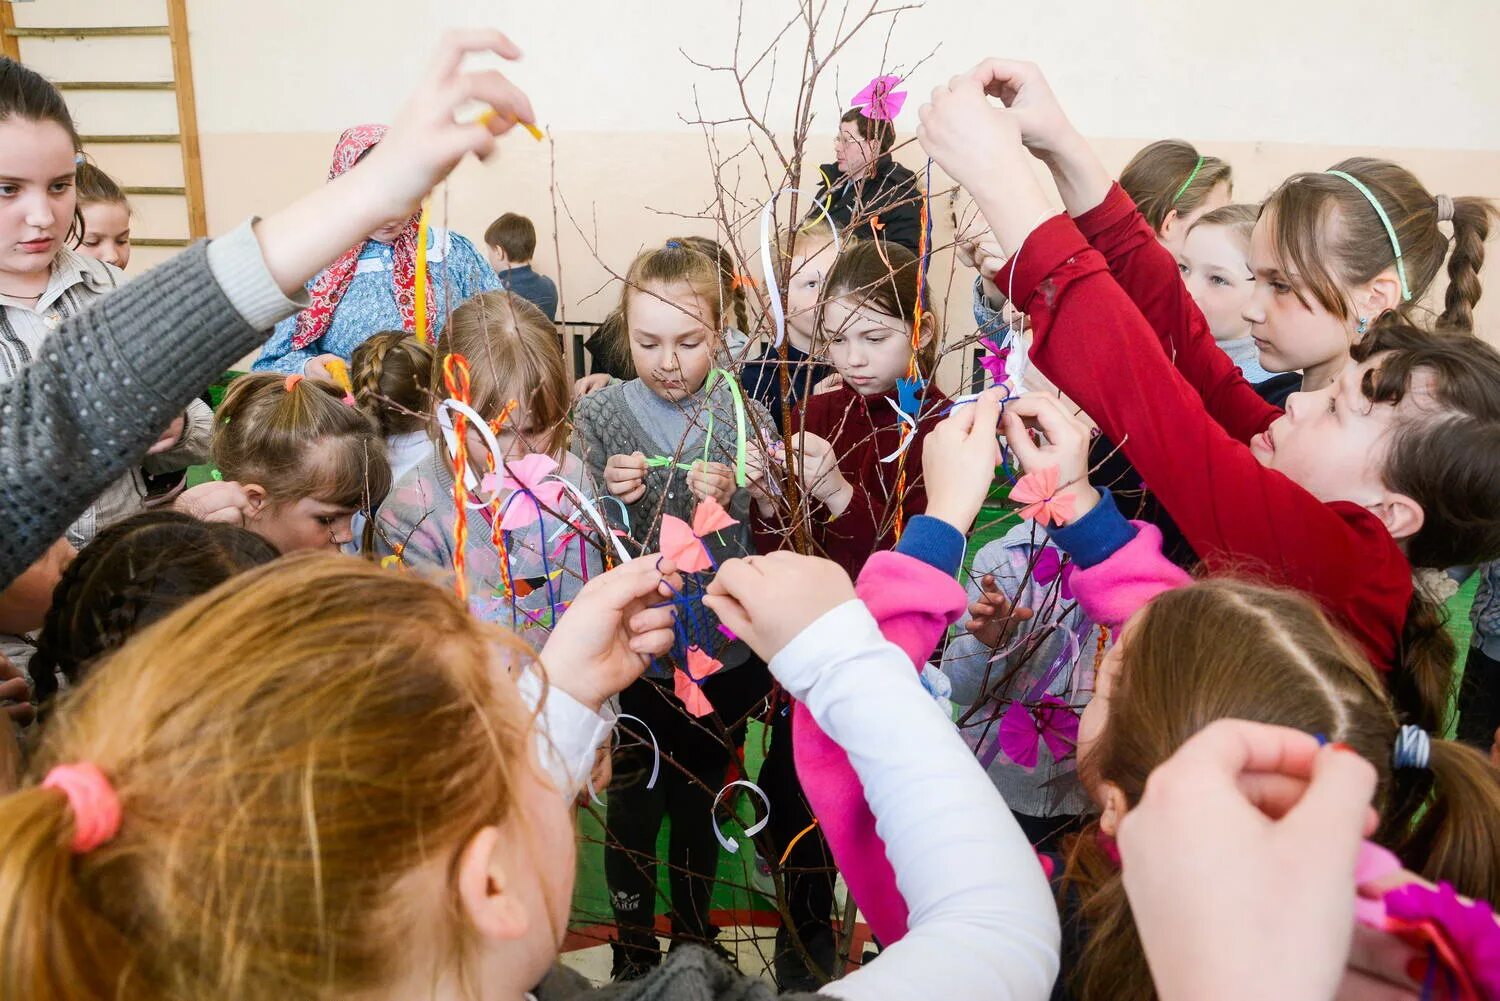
pixel 1096 536
pixel 934 542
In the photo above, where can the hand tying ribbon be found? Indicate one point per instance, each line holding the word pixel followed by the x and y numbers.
pixel 741 444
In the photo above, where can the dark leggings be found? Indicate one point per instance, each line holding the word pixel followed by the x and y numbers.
pixel 1479 701
pixel 808 872
pixel 695 757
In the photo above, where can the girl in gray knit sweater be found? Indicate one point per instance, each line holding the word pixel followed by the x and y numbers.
pixel 662 444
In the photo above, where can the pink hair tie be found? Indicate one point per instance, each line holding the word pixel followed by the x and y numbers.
pixel 96 808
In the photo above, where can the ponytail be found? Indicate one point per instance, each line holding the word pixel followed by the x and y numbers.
pixel 52 943
pixel 390 373
pixel 1471 227
pixel 1456 834
pixel 1111 962
pixel 1422 683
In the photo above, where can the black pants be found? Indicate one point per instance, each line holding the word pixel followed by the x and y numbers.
pixel 808 873
pixel 1479 701
pixel 695 757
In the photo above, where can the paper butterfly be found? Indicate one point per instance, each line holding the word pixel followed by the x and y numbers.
pixel 880 99
pixel 683 543
pixel 1046 568
pixel 1022 730
pixel 994 360
pixel 1038 492
pixel 532 490
pixel 689 686
pixel 909 394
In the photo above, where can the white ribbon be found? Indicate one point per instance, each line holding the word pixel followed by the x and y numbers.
pixel 908 437
pixel 768 260
pixel 445 422
pixel 600 522
pixel 730 844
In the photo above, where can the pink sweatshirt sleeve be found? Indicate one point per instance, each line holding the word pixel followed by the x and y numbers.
pixel 914 604
pixel 1114 590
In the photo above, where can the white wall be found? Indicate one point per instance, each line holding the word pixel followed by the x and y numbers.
pixel 1356 72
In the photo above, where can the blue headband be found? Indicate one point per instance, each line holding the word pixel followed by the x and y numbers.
pixel 1385 221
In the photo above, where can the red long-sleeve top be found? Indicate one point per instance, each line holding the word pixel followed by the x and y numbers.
pixel 1185 428
pixel 861 431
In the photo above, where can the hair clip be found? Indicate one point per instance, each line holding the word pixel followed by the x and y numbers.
pixel 79 159
pixel 673 245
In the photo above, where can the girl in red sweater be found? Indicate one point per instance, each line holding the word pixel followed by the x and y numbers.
pixel 861 484
pixel 1394 464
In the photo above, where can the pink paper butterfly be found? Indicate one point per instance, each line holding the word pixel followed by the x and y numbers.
pixel 528 479
pixel 1022 730
pixel 993 361
pixel 880 99
pixel 683 543
pixel 1038 492
pixel 689 686
pixel 1046 568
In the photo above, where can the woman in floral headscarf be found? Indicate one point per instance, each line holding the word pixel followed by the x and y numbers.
pixel 370 288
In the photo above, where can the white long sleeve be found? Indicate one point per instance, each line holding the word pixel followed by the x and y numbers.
pixel 983 924
pixel 567 732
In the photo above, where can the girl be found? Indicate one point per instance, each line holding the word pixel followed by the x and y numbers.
pixel 1389 468
pixel 813 251
pixel 371 287
pixel 1174 186
pixel 391 374
pixel 134 572
pixel 1350 272
pixel 866 320
pixel 443 860
pixel 520 572
pixel 1215 266
pixel 43 281
pixel 305 460
pixel 106 217
pixel 183 323
pixel 865 191
pixel 671 308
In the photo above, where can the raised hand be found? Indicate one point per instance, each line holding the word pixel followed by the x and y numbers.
pixel 1065 446
pixel 992 614
pixel 767 600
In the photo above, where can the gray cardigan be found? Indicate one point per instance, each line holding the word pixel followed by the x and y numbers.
pixel 85 411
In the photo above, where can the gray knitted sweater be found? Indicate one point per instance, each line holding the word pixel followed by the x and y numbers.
pixel 87 409
pixel 687 974
pixel 627 417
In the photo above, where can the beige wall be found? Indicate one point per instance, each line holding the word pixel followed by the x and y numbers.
pixel 1287 86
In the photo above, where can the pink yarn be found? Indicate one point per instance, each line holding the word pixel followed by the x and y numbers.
pixel 96 808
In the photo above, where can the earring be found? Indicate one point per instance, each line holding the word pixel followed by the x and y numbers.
pixel 1364 325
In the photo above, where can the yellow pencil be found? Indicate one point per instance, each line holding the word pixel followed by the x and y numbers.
pixel 536 133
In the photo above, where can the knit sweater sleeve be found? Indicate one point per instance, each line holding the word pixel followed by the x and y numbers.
pixel 116 374
pixel 1097 348
pixel 1148 274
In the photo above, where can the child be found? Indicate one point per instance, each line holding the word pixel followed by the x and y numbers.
pixel 1294 494
pixel 662 443
pixel 1345 277
pixel 106 217
pixel 392 374
pixel 813 252
pixel 135 572
pixel 1215 265
pixel 511 240
pixel 442 826
pixel 527 578
pixel 372 286
pixel 1174 186
pixel 866 321
pixel 305 460
pixel 1026 641
pixel 43 281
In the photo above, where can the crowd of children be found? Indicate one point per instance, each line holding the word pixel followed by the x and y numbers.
pixel 315 727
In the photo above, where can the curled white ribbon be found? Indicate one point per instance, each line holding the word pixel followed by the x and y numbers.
pixel 730 844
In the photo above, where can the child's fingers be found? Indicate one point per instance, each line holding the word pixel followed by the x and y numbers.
pixel 1019 439
pixel 986 416
pixel 1337 800
pixel 729 611
pixel 459 42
